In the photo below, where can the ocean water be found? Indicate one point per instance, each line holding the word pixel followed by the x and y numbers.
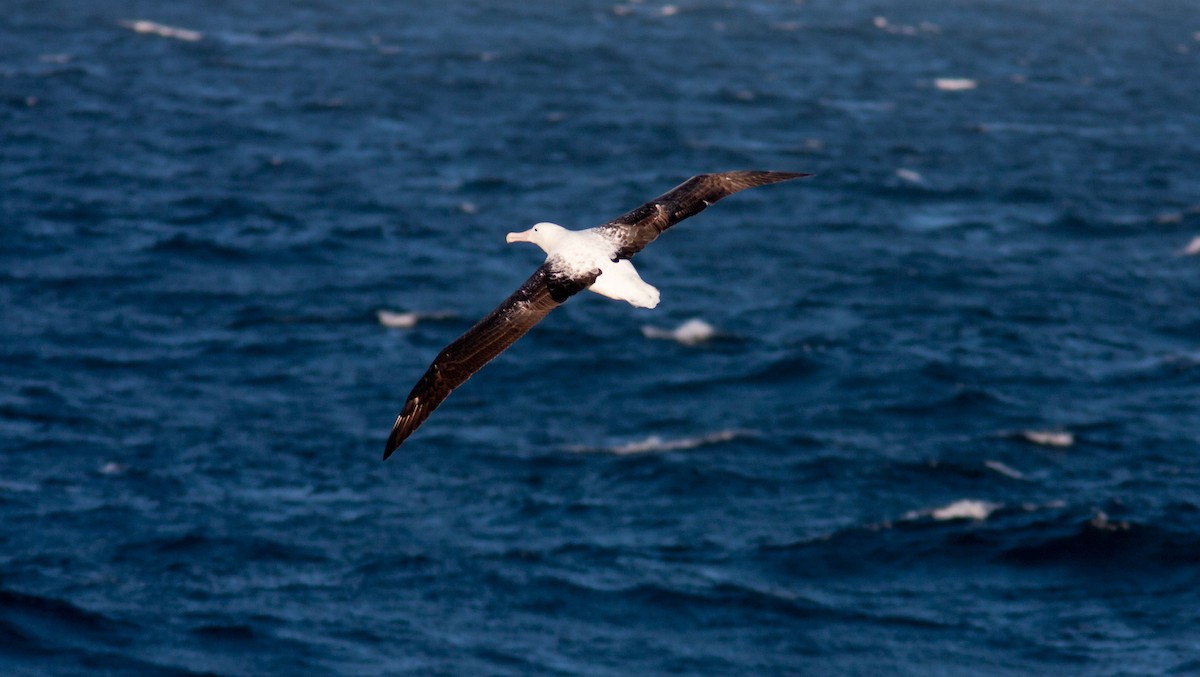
pixel 934 411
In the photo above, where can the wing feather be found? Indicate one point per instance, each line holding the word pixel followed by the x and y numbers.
pixel 544 291
pixel 640 227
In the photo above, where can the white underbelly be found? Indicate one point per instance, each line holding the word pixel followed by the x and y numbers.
pixel 621 281
pixel 584 251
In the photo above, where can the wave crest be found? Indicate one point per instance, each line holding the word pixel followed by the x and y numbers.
pixel 657 444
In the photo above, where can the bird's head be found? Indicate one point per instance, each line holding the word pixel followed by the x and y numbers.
pixel 544 235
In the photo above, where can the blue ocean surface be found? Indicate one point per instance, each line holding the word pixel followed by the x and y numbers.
pixel 934 411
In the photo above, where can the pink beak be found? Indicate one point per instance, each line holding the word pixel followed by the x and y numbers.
pixel 519 237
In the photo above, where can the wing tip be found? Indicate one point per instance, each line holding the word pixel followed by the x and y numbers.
pixel 399 434
pixel 758 177
pixel 389 450
pixel 784 176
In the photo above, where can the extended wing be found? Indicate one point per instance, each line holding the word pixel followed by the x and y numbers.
pixel 641 226
pixel 544 291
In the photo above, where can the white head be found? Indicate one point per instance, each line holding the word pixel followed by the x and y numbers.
pixel 545 235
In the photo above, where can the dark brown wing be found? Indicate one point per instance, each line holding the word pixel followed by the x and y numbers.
pixel 641 226
pixel 541 293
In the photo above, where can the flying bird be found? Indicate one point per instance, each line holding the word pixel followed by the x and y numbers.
pixel 596 259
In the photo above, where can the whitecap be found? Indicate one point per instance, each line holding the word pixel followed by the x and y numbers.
pixel 394 320
pixel 161 30
pixel 910 175
pixel 967 508
pixel 1192 247
pixel 1004 469
pixel 1049 438
pixel 656 443
pixel 883 24
pixel 689 333
pixel 1101 522
pixel 955 84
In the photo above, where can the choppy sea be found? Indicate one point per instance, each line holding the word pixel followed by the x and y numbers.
pixel 934 411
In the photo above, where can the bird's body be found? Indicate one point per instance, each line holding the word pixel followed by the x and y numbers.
pixel 619 280
pixel 579 252
pixel 595 259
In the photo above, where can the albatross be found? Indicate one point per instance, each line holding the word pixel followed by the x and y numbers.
pixel 596 259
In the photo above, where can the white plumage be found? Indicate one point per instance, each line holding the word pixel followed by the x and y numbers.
pixel 579 252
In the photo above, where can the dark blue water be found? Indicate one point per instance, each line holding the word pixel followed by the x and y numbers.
pixel 948 423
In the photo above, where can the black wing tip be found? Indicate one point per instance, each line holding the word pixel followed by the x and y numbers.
pixel 390 449
pixel 399 434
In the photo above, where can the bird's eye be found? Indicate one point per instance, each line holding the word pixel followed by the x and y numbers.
pixel 535 230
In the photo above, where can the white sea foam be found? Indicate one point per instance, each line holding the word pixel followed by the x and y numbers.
pixel 1101 521
pixel 1003 469
pixel 657 444
pixel 161 30
pixel 910 175
pixel 394 320
pixel 955 84
pixel 962 509
pixel 882 23
pixel 1049 438
pixel 689 333
pixel 967 508
pixel 1192 247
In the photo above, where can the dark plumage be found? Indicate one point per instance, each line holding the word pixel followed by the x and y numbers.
pixel 492 335
pixel 640 227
